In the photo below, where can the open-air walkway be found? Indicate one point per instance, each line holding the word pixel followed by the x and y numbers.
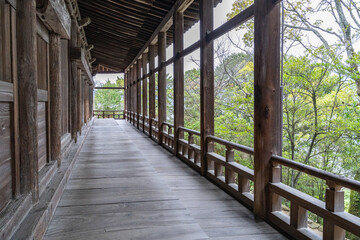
pixel 125 186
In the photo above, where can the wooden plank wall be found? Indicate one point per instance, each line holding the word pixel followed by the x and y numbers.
pixel 43 79
pixel 9 160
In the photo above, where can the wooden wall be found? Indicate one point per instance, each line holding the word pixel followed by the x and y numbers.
pixel 9 165
pixel 43 82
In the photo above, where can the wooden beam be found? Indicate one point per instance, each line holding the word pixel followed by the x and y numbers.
pixel 144 85
pixel 206 80
pixel 56 16
pixel 152 81
pixel 179 4
pixel 110 88
pixel 267 97
pixel 73 83
pixel 55 97
pixel 161 82
pixel 27 89
pixel 178 36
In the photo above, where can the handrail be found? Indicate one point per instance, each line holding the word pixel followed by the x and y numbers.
pixel 167 124
pixel 230 145
pixel 342 181
pixel 190 131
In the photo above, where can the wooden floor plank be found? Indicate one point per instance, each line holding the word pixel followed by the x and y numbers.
pixel 125 186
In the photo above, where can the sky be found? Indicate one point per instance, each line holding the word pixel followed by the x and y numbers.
pixel 191 36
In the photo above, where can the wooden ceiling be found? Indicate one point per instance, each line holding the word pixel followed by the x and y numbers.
pixel 120 28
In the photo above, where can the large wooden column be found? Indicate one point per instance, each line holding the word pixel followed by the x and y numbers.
pixel 125 94
pixel 178 75
pixel 55 97
pixel 206 80
pixel 73 84
pixel 161 82
pixel 144 85
pixel 27 90
pixel 267 97
pixel 80 102
pixel 152 82
pixel 138 91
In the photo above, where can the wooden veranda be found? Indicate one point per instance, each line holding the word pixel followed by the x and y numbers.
pixel 65 174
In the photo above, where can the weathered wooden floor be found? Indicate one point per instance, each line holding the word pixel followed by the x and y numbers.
pixel 125 186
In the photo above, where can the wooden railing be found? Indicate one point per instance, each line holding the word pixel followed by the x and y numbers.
pixel 167 136
pixel 117 114
pixel 188 151
pixel 236 179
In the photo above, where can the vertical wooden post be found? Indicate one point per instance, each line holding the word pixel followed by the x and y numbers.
pixel 125 94
pixel 266 93
pixel 334 200
pixel 73 83
pixel 206 81
pixel 152 82
pixel 55 98
pixel 79 101
pixel 178 76
pixel 144 86
pixel 27 90
pixel 138 92
pixel 161 83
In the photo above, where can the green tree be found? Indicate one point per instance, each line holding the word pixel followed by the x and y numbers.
pixel 110 99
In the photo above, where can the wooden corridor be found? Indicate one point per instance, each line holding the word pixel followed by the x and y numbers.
pixel 125 186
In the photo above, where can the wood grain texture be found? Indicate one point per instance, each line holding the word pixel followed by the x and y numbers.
pixel 27 90
pixel 42 138
pixel 64 57
pixel 266 99
pixel 5 155
pixel 55 98
pixel 125 186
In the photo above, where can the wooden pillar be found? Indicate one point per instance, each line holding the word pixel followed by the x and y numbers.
pixel 266 102
pixel 27 90
pixel 79 101
pixel 206 80
pixel 178 37
pixel 125 94
pixel 55 97
pixel 73 84
pixel 138 91
pixel 144 85
pixel 161 82
pixel 152 82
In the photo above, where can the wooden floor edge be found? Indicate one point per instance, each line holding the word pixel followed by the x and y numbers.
pixel 35 222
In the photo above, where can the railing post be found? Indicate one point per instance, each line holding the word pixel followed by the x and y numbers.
pixel 178 36
pixel 190 151
pixel 206 81
pixel 161 83
pixel 334 202
pixel 267 121
pixel 229 174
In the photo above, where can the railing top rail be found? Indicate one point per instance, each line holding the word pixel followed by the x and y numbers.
pixel 193 132
pixel 339 180
pixel 109 111
pixel 231 145
pixel 167 124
